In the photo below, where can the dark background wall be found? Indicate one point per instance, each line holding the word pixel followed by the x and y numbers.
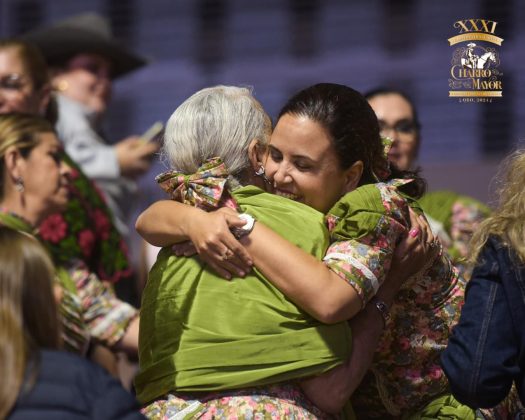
pixel 278 46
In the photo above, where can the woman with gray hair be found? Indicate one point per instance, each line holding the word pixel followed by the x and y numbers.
pixel 238 348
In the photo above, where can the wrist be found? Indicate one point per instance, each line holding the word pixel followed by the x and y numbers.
pixel 245 230
pixel 382 309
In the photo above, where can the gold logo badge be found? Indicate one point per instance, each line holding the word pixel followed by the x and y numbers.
pixel 475 76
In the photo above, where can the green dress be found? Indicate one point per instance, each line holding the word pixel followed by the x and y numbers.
pixel 199 332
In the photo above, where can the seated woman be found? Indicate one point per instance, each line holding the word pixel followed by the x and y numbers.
pixel 242 339
pixel 34 184
pixel 83 230
pixel 38 380
pixel 326 143
pixel 484 356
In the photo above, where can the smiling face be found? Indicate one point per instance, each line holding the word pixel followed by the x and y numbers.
pixel 396 121
pixel 304 165
pixel 85 78
pixel 17 92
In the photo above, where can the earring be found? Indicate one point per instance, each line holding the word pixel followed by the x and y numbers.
pixel 19 184
pixel 62 85
pixel 262 173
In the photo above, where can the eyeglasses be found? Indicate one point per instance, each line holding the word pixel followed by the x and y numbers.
pixel 400 127
pixel 13 82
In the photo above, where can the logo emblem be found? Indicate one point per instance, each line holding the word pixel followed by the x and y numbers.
pixel 474 71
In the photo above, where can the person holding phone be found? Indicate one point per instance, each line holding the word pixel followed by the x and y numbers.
pixel 85 59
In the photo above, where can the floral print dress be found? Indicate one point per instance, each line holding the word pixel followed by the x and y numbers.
pixel 273 402
pixel 89 309
pixel 365 226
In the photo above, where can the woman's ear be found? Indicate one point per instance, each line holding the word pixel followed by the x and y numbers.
pixel 256 154
pixel 353 176
pixel 13 163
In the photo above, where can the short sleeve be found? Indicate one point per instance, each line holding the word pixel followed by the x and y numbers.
pixel 365 226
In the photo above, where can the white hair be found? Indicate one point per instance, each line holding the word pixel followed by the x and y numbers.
pixel 220 121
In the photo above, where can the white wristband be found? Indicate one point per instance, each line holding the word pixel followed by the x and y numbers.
pixel 239 232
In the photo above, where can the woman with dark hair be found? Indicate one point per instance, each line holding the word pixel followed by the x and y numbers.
pixel 326 152
pixel 241 348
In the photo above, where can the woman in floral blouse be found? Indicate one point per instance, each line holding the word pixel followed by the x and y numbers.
pixel 36 185
pixel 326 143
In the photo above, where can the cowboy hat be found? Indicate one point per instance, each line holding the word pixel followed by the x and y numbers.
pixel 85 33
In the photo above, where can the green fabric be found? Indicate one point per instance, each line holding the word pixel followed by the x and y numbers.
pixel 199 332
pixel 445 407
pixel 14 222
pixel 438 205
pixel 362 211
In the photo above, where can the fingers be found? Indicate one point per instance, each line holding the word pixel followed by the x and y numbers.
pixel 424 225
pixel 186 249
pixel 217 268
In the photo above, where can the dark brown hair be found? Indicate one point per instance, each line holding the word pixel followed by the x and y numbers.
pixel 353 128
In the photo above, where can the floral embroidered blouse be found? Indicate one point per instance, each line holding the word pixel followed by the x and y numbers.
pixel 365 226
pixel 85 231
pixel 89 308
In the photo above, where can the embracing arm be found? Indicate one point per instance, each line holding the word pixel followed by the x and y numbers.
pixel 332 390
pixel 308 282
pixel 305 280
pixel 164 222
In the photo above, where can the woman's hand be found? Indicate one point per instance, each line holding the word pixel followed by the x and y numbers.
pixel 415 252
pixel 211 238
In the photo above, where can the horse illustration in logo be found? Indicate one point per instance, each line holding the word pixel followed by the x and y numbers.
pixel 474 61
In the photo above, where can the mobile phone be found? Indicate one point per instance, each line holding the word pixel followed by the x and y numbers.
pixel 152 132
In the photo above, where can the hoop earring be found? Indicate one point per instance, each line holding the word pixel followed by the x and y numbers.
pixel 19 184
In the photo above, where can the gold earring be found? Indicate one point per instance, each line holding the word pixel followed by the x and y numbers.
pixel 62 85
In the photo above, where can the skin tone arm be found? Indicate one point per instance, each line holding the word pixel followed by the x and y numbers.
pixel 129 343
pixel 328 298
pixel 308 282
pixel 367 327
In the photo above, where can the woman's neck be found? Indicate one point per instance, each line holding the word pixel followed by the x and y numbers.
pixel 20 210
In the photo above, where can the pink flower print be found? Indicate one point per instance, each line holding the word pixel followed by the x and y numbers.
pixel 269 407
pixel 102 223
pixel 86 239
pixel 404 343
pixel 435 372
pixel 53 229
pixel 73 174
